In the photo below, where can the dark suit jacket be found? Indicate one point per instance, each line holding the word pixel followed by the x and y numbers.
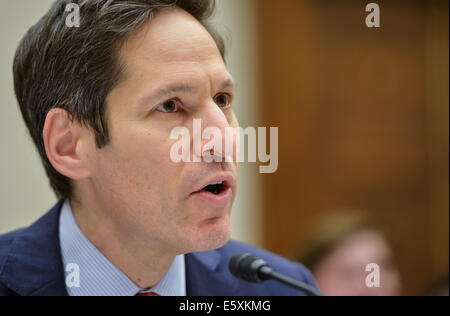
pixel 31 264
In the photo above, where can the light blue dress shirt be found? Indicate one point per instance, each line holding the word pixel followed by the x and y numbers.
pixel 97 275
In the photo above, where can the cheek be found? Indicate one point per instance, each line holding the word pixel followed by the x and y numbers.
pixel 138 164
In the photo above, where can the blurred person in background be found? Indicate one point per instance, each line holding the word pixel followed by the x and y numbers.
pixel 338 250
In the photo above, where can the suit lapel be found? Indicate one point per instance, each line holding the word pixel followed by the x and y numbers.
pixel 34 263
pixel 206 276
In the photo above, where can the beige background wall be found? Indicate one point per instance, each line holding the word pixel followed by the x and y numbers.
pixel 24 191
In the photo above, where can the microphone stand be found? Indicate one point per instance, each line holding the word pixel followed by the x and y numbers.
pixel 267 272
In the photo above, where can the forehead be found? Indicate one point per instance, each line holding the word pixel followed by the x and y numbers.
pixel 172 43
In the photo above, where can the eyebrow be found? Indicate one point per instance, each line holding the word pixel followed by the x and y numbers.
pixel 185 88
pixel 228 84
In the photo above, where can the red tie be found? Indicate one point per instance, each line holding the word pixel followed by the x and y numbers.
pixel 147 294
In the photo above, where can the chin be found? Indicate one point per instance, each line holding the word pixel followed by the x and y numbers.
pixel 214 234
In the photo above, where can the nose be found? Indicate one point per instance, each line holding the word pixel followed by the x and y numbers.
pixel 218 139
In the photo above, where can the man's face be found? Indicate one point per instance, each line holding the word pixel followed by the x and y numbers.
pixel 151 198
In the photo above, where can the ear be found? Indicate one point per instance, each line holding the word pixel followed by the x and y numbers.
pixel 62 140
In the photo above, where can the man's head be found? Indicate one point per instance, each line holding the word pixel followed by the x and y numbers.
pixel 100 102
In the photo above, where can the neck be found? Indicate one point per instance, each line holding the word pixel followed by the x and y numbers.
pixel 143 265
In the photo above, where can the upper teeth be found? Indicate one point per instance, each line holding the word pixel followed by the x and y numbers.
pixel 216 183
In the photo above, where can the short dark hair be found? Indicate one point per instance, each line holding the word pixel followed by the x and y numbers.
pixel 75 68
pixel 332 230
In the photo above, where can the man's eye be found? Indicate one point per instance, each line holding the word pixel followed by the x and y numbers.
pixel 223 100
pixel 169 107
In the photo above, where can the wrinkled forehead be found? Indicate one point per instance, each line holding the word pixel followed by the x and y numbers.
pixel 172 40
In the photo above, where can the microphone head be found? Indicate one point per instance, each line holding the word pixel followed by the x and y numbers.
pixel 247 267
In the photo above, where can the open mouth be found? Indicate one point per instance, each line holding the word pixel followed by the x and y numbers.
pixel 216 192
pixel 215 188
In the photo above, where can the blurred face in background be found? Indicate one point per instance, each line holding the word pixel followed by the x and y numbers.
pixel 342 272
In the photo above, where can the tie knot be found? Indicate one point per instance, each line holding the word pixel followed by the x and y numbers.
pixel 147 294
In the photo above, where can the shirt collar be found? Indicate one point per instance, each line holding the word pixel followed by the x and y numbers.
pixel 97 275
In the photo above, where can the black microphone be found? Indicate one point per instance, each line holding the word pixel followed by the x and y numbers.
pixel 250 268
